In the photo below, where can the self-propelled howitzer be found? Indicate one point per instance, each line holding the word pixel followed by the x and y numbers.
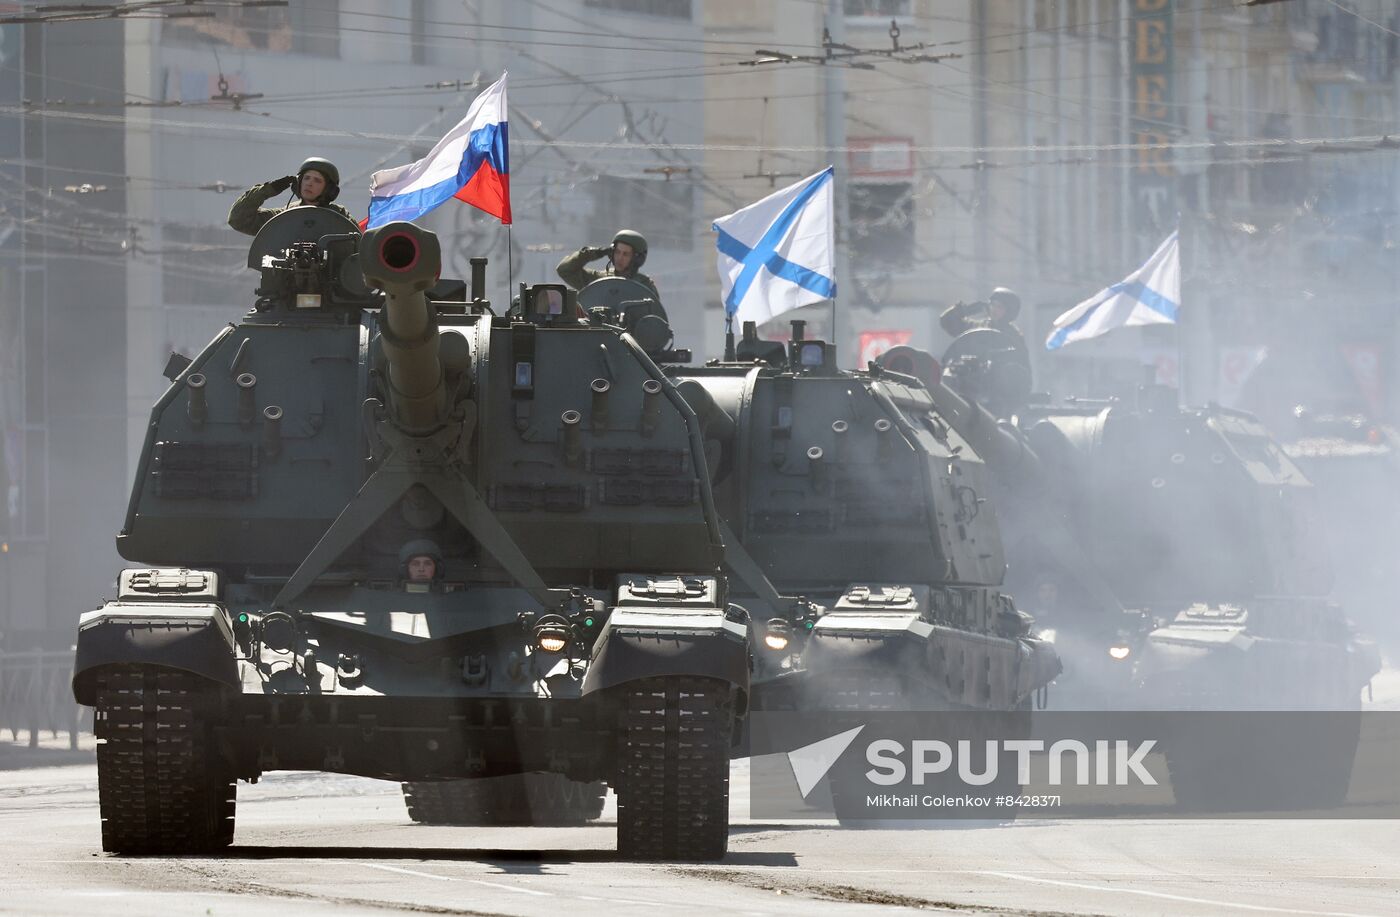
pixel 848 489
pixel 1196 522
pixel 1177 557
pixel 575 621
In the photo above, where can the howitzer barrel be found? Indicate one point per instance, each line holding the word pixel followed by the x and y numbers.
pixel 404 261
pixel 1004 451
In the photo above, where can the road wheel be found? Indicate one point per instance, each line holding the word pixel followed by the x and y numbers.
pixel 673 780
pixel 556 800
pixel 162 788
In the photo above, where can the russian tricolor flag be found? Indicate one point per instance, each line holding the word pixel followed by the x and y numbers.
pixel 471 163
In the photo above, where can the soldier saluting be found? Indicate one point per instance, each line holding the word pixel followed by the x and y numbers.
pixel 317 183
pixel 998 312
pixel 625 257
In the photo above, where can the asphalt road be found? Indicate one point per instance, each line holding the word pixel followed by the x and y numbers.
pixel 331 844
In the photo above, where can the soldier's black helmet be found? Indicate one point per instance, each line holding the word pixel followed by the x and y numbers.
pixel 637 241
pixel 1009 301
pixel 328 171
pixel 421 547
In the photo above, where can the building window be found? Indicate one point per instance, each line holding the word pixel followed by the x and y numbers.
pixel 1088 18
pixel 671 9
pixel 882 223
pixel 418 29
pixel 316 27
pixel 247 28
pixel 308 27
pixel 877 9
pixel 663 211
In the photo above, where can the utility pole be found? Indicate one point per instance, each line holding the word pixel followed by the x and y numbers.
pixel 835 77
pixel 981 244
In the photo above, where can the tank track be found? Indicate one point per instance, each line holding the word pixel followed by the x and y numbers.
pixel 875 692
pixel 160 785
pixel 519 799
pixel 860 691
pixel 673 763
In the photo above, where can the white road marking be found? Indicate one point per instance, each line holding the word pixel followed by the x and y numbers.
pixel 429 875
pixel 511 888
pixel 518 889
pixel 1262 877
pixel 644 901
pixel 408 872
pixel 1212 902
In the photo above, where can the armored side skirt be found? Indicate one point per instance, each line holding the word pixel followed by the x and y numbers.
pixel 648 642
pixel 190 637
pixel 940 666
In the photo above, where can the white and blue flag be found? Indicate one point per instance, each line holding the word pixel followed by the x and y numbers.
pixel 1151 295
pixel 779 253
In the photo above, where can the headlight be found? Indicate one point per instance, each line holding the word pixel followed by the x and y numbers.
pixel 777 636
pixel 1120 651
pixel 553 634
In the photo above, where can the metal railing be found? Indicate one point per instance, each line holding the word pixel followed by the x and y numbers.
pixel 36 696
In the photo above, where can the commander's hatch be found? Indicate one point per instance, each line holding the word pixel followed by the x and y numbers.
pixel 309 260
pixel 299 224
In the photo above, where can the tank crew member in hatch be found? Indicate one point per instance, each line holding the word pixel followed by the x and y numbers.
pixel 317 183
pixel 626 256
pixel 420 565
pixel 998 312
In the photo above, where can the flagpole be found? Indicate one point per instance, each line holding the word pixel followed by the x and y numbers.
pixel 1182 395
pixel 834 115
pixel 510 268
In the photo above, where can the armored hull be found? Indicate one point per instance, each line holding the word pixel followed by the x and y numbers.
pixel 858 526
pixel 575 626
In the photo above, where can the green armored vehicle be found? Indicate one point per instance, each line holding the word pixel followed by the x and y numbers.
pixel 576 629
pixel 1176 555
pixel 858 527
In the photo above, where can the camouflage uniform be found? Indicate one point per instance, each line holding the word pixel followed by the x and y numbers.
pixel 573 271
pixel 248 216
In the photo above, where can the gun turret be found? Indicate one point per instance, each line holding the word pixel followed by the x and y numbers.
pixel 1000 444
pixel 404 261
pixel 1023 473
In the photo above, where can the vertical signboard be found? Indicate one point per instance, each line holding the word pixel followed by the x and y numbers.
pixel 1153 117
pixel 875 343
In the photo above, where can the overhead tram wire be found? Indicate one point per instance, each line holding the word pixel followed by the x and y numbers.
pixel 409 91
pixel 542 30
pixel 1352 12
pixel 326 32
pixel 455 41
pixel 1358 140
pixel 720 193
pixel 675 72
